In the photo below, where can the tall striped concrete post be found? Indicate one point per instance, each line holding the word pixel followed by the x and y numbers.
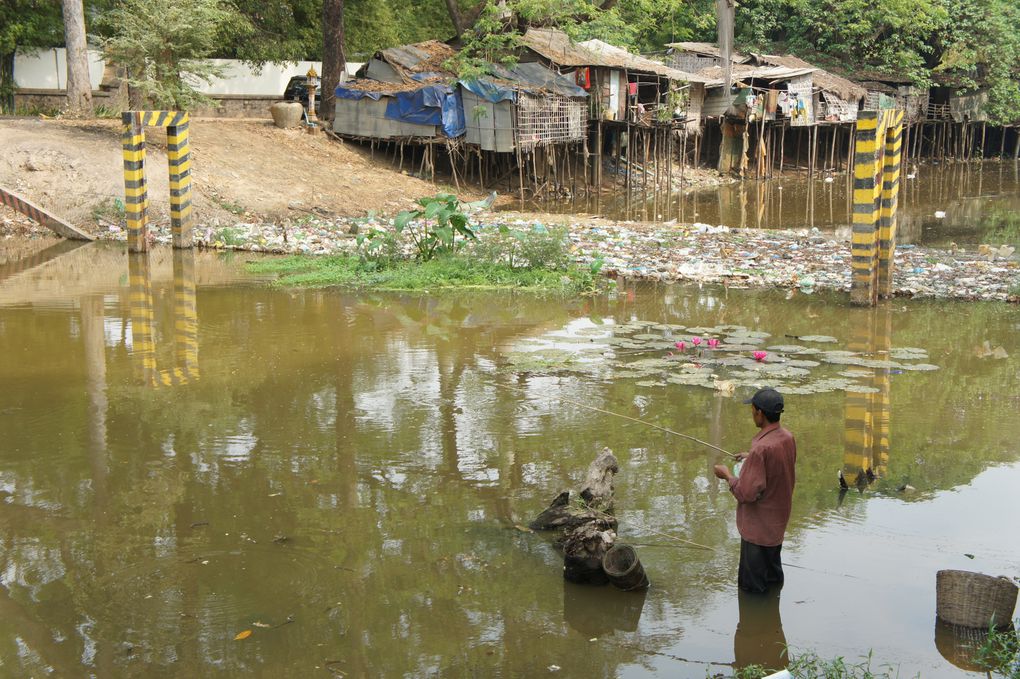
pixel 178 151
pixel 135 196
pixel 876 183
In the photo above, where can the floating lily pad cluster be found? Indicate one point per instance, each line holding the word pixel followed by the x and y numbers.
pixel 658 355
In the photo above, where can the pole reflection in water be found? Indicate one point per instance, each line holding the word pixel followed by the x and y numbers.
pixel 143 321
pixel 759 638
pixel 866 433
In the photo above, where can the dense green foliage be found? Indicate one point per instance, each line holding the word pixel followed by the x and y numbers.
pixel 966 44
pixel 163 44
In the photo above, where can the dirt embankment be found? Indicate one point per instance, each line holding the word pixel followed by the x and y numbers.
pixel 242 171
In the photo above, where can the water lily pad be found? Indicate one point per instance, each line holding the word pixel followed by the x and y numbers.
pixel 736 347
pixel 861 389
pixel 700 331
pixel 856 372
pixel 908 355
pixel 645 336
pixel 651 383
pixel 757 334
pixel 784 389
pixel 786 348
pixel 919 366
pixel 817 338
pixel 802 363
pixel 784 370
pixel 650 363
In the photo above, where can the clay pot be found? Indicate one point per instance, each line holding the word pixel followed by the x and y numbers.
pixel 287 113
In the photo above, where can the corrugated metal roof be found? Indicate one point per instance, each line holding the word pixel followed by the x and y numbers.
pixel 557 47
pixel 822 79
pixel 745 72
pixel 707 48
pixel 621 58
pixel 536 77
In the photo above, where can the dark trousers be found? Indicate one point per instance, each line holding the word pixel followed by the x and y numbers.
pixel 759 567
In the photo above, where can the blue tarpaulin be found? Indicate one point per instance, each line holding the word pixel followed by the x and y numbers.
pixel 429 105
pixel 489 90
pixel 345 93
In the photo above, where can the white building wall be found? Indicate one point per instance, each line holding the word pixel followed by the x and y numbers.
pixel 46 69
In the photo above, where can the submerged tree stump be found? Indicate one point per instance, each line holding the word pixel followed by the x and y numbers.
pixel 589 528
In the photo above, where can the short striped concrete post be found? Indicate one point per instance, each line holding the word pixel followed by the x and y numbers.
pixel 179 160
pixel 876 183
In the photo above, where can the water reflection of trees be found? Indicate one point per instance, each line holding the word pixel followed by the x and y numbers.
pixel 382 444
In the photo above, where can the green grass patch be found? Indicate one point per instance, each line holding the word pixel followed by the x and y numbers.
pixel 450 271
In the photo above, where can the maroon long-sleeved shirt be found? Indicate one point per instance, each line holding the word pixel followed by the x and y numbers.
pixel 764 490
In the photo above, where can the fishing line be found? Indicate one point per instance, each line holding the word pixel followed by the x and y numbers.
pixel 626 417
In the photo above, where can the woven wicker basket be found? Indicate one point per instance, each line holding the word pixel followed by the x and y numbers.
pixel 974 600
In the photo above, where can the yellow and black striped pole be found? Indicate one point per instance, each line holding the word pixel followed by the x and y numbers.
pixel 179 161
pixel 876 182
pixel 133 140
pixel 890 194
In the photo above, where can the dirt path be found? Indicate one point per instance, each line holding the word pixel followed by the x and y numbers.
pixel 243 171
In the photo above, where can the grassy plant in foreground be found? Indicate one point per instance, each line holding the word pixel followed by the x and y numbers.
pixel 809 665
pixel 450 271
pixel 1000 653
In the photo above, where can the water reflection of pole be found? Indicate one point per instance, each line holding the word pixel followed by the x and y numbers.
pixel 867 423
pixel 185 316
pixel 143 321
pixel 143 345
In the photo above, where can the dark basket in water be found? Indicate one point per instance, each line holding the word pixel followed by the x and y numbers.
pixel 974 600
pixel 624 568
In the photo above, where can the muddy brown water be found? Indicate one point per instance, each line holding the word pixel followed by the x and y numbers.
pixel 980 202
pixel 343 474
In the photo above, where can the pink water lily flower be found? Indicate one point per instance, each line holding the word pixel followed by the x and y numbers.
pixel 712 342
pixel 760 355
pixel 681 345
pixel 695 341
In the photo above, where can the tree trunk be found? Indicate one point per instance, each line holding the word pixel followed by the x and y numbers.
pixel 79 88
pixel 454 10
pixel 334 61
pixel 7 82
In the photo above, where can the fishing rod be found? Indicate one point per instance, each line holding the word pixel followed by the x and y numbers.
pixel 634 419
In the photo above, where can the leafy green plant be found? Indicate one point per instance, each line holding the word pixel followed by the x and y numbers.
pixel 535 248
pixel 433 228
pixel 109 210
pixel 1000 652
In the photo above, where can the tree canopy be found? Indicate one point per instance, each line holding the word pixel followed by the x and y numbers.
pixel 967 44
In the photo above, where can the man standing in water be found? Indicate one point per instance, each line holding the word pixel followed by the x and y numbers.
pixel 764 492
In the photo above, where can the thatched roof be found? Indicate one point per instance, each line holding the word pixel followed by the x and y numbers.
pixel 822 79
pixel 423 57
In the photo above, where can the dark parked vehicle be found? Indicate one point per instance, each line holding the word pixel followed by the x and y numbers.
pixel 297 90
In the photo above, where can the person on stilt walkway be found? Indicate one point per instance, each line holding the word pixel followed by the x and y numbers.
pixel 764 493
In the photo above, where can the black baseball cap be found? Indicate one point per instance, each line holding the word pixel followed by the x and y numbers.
pixel 767 400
